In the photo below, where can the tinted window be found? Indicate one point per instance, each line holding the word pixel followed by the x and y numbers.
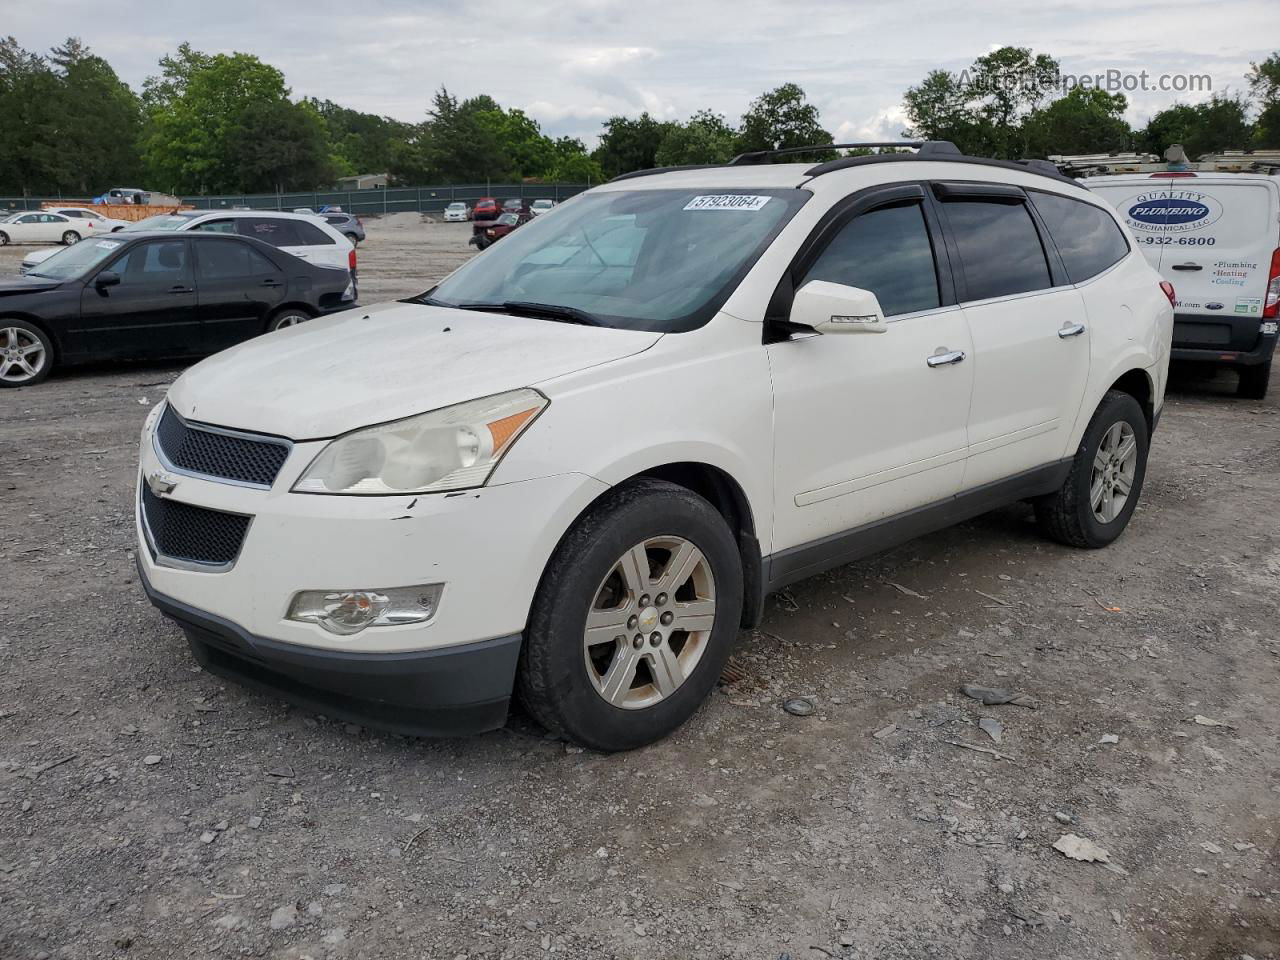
pixel 278 233
pixel 159 264
pixel 221 259
pixel 885 251
pixel 999 248
pixel 1087 237
pixel 216 226
pixel 310 235
pixel 335 219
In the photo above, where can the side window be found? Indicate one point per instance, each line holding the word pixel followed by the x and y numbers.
pixel 216 226
pixel 230 259
pixel 30 218
pixel 309 235
pixel 1088 238
pixel 278 233
pixel 161 263
pixel 886 251
pixel 999 248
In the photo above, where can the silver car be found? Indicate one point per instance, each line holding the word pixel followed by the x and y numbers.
pixel 457 212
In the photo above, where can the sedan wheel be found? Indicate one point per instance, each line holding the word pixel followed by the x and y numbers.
pixel 290 318
pixel 24 356
pixel 4 239
pixel 650 622
pixel 70 237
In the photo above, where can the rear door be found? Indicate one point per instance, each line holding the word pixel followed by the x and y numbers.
pixel 151 312
pixel 1030 342
pixel 237 287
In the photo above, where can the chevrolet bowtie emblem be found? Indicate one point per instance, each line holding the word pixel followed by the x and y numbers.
pixel 161 483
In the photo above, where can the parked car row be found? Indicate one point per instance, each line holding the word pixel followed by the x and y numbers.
pixel 490 208
pixel 64 225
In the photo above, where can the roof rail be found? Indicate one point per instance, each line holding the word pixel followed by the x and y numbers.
pixel 943 151
pixel 761 156
pixel 656 170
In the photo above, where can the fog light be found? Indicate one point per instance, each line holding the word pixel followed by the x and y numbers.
pixel 347 612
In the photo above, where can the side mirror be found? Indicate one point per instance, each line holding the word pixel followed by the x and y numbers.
pixel 834 308
pixel 106 278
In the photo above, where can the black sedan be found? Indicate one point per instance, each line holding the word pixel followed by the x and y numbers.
pixel 156 295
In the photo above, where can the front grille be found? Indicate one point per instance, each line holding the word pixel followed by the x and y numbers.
pixel 181 531
pixel 222 455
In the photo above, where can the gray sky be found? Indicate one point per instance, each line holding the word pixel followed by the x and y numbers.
pixel 572 64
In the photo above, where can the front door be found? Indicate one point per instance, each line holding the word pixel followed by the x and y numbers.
pixel 151 312
pixel 864 426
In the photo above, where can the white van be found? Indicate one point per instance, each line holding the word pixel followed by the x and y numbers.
pixel 1216 238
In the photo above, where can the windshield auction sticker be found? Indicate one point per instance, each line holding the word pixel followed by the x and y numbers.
pixel 727 201
pixel 107 244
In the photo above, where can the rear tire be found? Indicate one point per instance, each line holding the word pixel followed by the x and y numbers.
pixel 1254 381
pixel 288 317
pixel 620 685
pixel 26 353
pixel 70 238
pixel 1104 484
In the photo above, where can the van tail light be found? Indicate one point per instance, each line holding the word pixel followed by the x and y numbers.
pixel 1271 307
pixel 1167 287
pixel 351 260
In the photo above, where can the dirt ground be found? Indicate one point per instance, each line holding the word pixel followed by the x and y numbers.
pixel 149 810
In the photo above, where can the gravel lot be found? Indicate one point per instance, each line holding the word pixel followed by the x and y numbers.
pixel 150 810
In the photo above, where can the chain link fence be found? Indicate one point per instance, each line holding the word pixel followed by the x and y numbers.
pixel 362 202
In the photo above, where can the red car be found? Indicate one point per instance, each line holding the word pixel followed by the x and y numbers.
pixel 484 234
pixel 486 208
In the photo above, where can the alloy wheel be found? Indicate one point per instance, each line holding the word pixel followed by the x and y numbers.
pixel 1114 467
pixel 22 355
pixel 650 622
pixel 70 237
pixel 290 320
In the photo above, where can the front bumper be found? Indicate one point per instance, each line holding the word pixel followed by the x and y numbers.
pixel 454 691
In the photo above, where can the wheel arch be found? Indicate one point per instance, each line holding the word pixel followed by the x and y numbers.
pixel 1137 383
pixel 35 322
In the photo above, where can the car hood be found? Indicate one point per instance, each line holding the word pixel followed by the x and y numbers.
pixel 19 285
pixel 365 366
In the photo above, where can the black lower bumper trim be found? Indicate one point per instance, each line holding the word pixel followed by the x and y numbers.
pixel 448 692
pixel 1228 358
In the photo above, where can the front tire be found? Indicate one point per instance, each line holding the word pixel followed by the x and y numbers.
pixel 4 239
pixel 1104 484
pixel 26 353
pixel 70 238
pixel 1254 381
pixel 634 618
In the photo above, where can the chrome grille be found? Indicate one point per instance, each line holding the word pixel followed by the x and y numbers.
pixel 217 453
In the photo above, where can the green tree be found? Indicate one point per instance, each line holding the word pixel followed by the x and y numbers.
pixel 358 142
pixel 30 137
pixel 939 109
pixel 280 146
pixel 706 138
pixel 1218 124
pixel 782 118
pixel 1084 121
pixel 101 119
pixel 1264 81
pixel 573 164
pixel 628 144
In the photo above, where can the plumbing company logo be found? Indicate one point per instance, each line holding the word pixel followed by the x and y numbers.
pixel 1172 211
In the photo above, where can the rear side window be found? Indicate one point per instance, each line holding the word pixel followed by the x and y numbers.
pixel 335 220
pixel 999 248
pixel 223 259
pixel 1088 238
pixel 886 251
pixel 310 235
pixel 278 233
pixel 216 226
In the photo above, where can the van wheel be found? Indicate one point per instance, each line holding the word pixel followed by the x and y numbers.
pixel 289 317
pixel 70 237
pixel 634 618
pixel 26 354
pixel 1101 491
pixel 1254 381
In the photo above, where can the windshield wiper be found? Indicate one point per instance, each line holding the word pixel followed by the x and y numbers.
pixel 554 311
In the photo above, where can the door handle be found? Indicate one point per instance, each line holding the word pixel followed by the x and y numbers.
pixel 1187 266
pixel 943 359
pixel 1071 330
pixel 180 289
pixel 270 283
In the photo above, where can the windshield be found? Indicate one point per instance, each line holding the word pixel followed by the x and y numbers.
pixel 164 221
pixel 660 260
pixel 13 217
pixel 457 206
pixel 542 203
pixel 76 261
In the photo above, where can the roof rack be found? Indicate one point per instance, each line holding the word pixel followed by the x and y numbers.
pixel 761 156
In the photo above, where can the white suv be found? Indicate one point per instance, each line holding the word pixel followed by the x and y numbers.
pixel 575 467
pixel 306 237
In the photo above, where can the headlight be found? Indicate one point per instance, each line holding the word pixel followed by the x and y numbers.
pixel 450 449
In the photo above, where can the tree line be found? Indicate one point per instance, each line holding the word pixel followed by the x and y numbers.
pixel 227 123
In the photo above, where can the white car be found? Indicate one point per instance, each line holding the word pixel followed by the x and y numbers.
pixel 576 466
pixel 541 206
pixel 42 226
pixel 457 212
pixel 305 236
pixel 100 223
pixel 1216 238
